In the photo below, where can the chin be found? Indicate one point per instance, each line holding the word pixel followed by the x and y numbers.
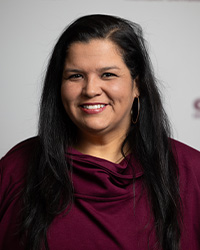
pixel 96 130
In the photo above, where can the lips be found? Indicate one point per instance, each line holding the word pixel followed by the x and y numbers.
pixel 93 108
pixel 96 106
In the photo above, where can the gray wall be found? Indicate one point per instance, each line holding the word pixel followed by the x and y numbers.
pixel 29 30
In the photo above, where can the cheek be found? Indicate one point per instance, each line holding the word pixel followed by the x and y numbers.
pixel 68 94
pixel 122 92
pixel 116 90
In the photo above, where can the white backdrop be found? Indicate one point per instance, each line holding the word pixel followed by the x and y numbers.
pixel 29 30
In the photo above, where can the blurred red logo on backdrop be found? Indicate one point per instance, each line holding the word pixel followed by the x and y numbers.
pixel 197 108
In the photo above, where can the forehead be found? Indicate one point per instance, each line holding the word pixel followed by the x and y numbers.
pixel 95 49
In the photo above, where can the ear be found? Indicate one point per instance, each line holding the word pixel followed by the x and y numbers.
pixel 136 91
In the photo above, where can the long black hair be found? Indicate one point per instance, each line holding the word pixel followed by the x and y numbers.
pixel 49 190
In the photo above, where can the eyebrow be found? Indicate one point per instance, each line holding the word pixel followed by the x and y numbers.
pixel 100 69
pixel 108 68
pixel 71 70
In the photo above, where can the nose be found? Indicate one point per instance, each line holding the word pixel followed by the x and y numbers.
pixel 92 87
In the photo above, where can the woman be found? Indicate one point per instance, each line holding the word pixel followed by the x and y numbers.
pixel 102 173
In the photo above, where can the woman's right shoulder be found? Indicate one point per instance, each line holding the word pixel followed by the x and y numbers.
pixel 22 146
pixel 17 159
pixel 13 172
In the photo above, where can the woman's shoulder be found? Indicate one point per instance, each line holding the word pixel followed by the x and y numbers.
pixel 188 160
pixel 185 153
pixel 13 169
pixel 22 147
pixel 17 159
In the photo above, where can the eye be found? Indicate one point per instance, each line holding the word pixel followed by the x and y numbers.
pixel 75 77
pixel 108 75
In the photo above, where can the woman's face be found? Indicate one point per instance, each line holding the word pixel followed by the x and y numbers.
pixel 97 89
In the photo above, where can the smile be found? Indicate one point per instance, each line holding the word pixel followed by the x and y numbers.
pixel 92 109
pixel 96 106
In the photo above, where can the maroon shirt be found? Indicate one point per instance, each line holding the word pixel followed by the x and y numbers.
pixel 104 214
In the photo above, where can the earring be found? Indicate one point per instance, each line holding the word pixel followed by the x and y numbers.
pixel 135 110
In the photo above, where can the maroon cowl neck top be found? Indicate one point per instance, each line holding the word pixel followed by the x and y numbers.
pixel 108 212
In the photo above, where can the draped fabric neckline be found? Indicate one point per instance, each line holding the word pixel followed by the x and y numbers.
pixel 99 179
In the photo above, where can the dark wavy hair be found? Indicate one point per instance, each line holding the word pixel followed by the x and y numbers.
pixel 49 190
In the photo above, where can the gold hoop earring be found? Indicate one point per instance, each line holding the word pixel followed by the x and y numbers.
pixel 135 107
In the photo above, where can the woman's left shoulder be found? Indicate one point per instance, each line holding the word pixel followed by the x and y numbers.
pixel 184 151
pixel 188 158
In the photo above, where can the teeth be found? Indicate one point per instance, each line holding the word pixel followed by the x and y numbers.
pixel 93 106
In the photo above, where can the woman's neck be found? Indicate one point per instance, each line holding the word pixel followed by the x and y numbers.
pixel 105 147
